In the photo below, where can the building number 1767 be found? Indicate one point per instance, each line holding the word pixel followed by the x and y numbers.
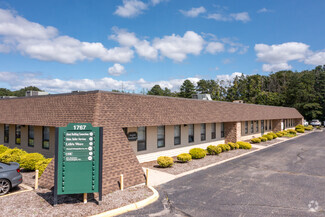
pixel 79 127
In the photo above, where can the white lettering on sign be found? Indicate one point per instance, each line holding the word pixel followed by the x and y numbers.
pixel 79 127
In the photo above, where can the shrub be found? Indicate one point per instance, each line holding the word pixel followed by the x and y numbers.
pixel 300 130
pixel 244 145
pixel 3 148
pixel 42 164
pixel 273 134
pixel 299 127
pixel 165 161
pixel 279 134
pixel 197 153
pixel 12 155
pixel 263 139
pixel 318 128
pixel 309 128
pixel 232 145
pixel 224 147
pixel 214 150
pixel 255 140
pixel 291 131
pixel 184 157
pixel 28 161
pixel 269 137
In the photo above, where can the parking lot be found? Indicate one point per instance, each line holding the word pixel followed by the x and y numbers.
pixel 284 180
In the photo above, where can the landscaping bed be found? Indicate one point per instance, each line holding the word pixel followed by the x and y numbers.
pixel 179 168
pixel 39 203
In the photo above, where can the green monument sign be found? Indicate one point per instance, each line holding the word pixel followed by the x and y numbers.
pixel 78 159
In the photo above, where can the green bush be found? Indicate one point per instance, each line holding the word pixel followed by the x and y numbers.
pixel 165 161
pixel 279 134
pixel 299 127
pixel 232 145
pixel 309 128
pixel 28 161
pixel 300 130
pixel 255 140
pixel 244 145
pixel 268 137
pixel 214 150
pixel 42 164
pixel 291 131
pixel 273 134
pixel 224 147
pixel 184 157
pixel 318 128
pixel 3 148
pixel 197 153
pixel 263 139
pixel 12 155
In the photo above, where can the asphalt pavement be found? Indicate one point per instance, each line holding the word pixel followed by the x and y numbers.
pixel 287 179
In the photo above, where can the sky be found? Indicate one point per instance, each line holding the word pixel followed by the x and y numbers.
pixel 131 45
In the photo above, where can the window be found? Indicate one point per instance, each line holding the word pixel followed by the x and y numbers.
pixel 262 126
pixel 246 127
pixel 265 124
pixel 257 127
pixel 213 130
pixel 191 133
pixel 31 136
pixel 46 138
pixel 177 135
pixel 270 126
pixel 160 136
pixel 203 132
pixel 18 135
pixel 252 126
pixel 6 133
pixel 222 130
pixel 142 144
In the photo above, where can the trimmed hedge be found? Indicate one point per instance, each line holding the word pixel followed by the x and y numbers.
pixel 309 128
pixel 232 145
pixel 165 161
pixel 28 161
pixel 197 153
pixel 263 139
pixel 300 130
pixel 42 164
pixel 279 134
pixel 299 127
pixel 291 131
pixel 273 134
pixel 214 150
pixel 184 158
pixel 3 148
pixel 224 147
pixel 268 137
pixel 12 155
pixel 255 140
pixel 244 145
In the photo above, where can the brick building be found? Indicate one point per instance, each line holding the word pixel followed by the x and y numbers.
pixel 137 128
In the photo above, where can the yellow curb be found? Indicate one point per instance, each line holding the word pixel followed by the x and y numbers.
pixel 131 207
pixel 18 192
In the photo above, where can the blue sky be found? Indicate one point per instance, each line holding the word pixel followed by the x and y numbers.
pixel 61 46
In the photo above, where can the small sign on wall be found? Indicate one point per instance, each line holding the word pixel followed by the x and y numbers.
pixel 132 136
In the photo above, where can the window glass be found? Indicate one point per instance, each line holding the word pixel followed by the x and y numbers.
pixel 246 127
pixel 141 146
pixel 270 126
pixel 18 135
pixel 203 132
pixel 191 133
pixel 46 138
pixel 213 130
pixel 257 127
pixel 265 124
pixel 177 134
pixel 31 136
pixel 252 126
pixel 160 136
pixel 222 130
pixel 6 133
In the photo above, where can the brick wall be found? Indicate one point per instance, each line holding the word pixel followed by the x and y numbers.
pixel 276 125
pixel 232 131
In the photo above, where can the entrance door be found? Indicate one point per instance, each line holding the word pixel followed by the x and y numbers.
pixel 262 127
pixel 282 125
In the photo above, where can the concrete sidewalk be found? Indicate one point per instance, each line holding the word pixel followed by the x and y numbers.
pixel 157 177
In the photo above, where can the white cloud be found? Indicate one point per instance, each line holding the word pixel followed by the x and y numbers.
pixel 242 16
pixel 44 43
pixel 264 10
pixel 277 56
pixel 55 85
pixel 155 2
pixel 227 77
pixel 316 58
pixel 215 47
pixel 177 48
pixel 226 61
pixel 194 12
pixel 131 8
pixel 116 70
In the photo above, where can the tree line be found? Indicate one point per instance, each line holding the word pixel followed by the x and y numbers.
pixel 19 93
pixel 303 90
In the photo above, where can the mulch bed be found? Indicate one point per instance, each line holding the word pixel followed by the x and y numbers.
pixel 39 203
pixel 179 168
pixel 28 177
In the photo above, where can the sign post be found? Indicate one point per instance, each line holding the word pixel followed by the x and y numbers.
pixel 78 160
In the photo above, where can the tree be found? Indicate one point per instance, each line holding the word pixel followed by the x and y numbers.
pixel 5 92
pixel 187 89
pixel 156 90
pixel 210 87
pixel 22 91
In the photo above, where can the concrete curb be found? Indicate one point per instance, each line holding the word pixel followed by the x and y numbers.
pixel 229 159
pixel 131 207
